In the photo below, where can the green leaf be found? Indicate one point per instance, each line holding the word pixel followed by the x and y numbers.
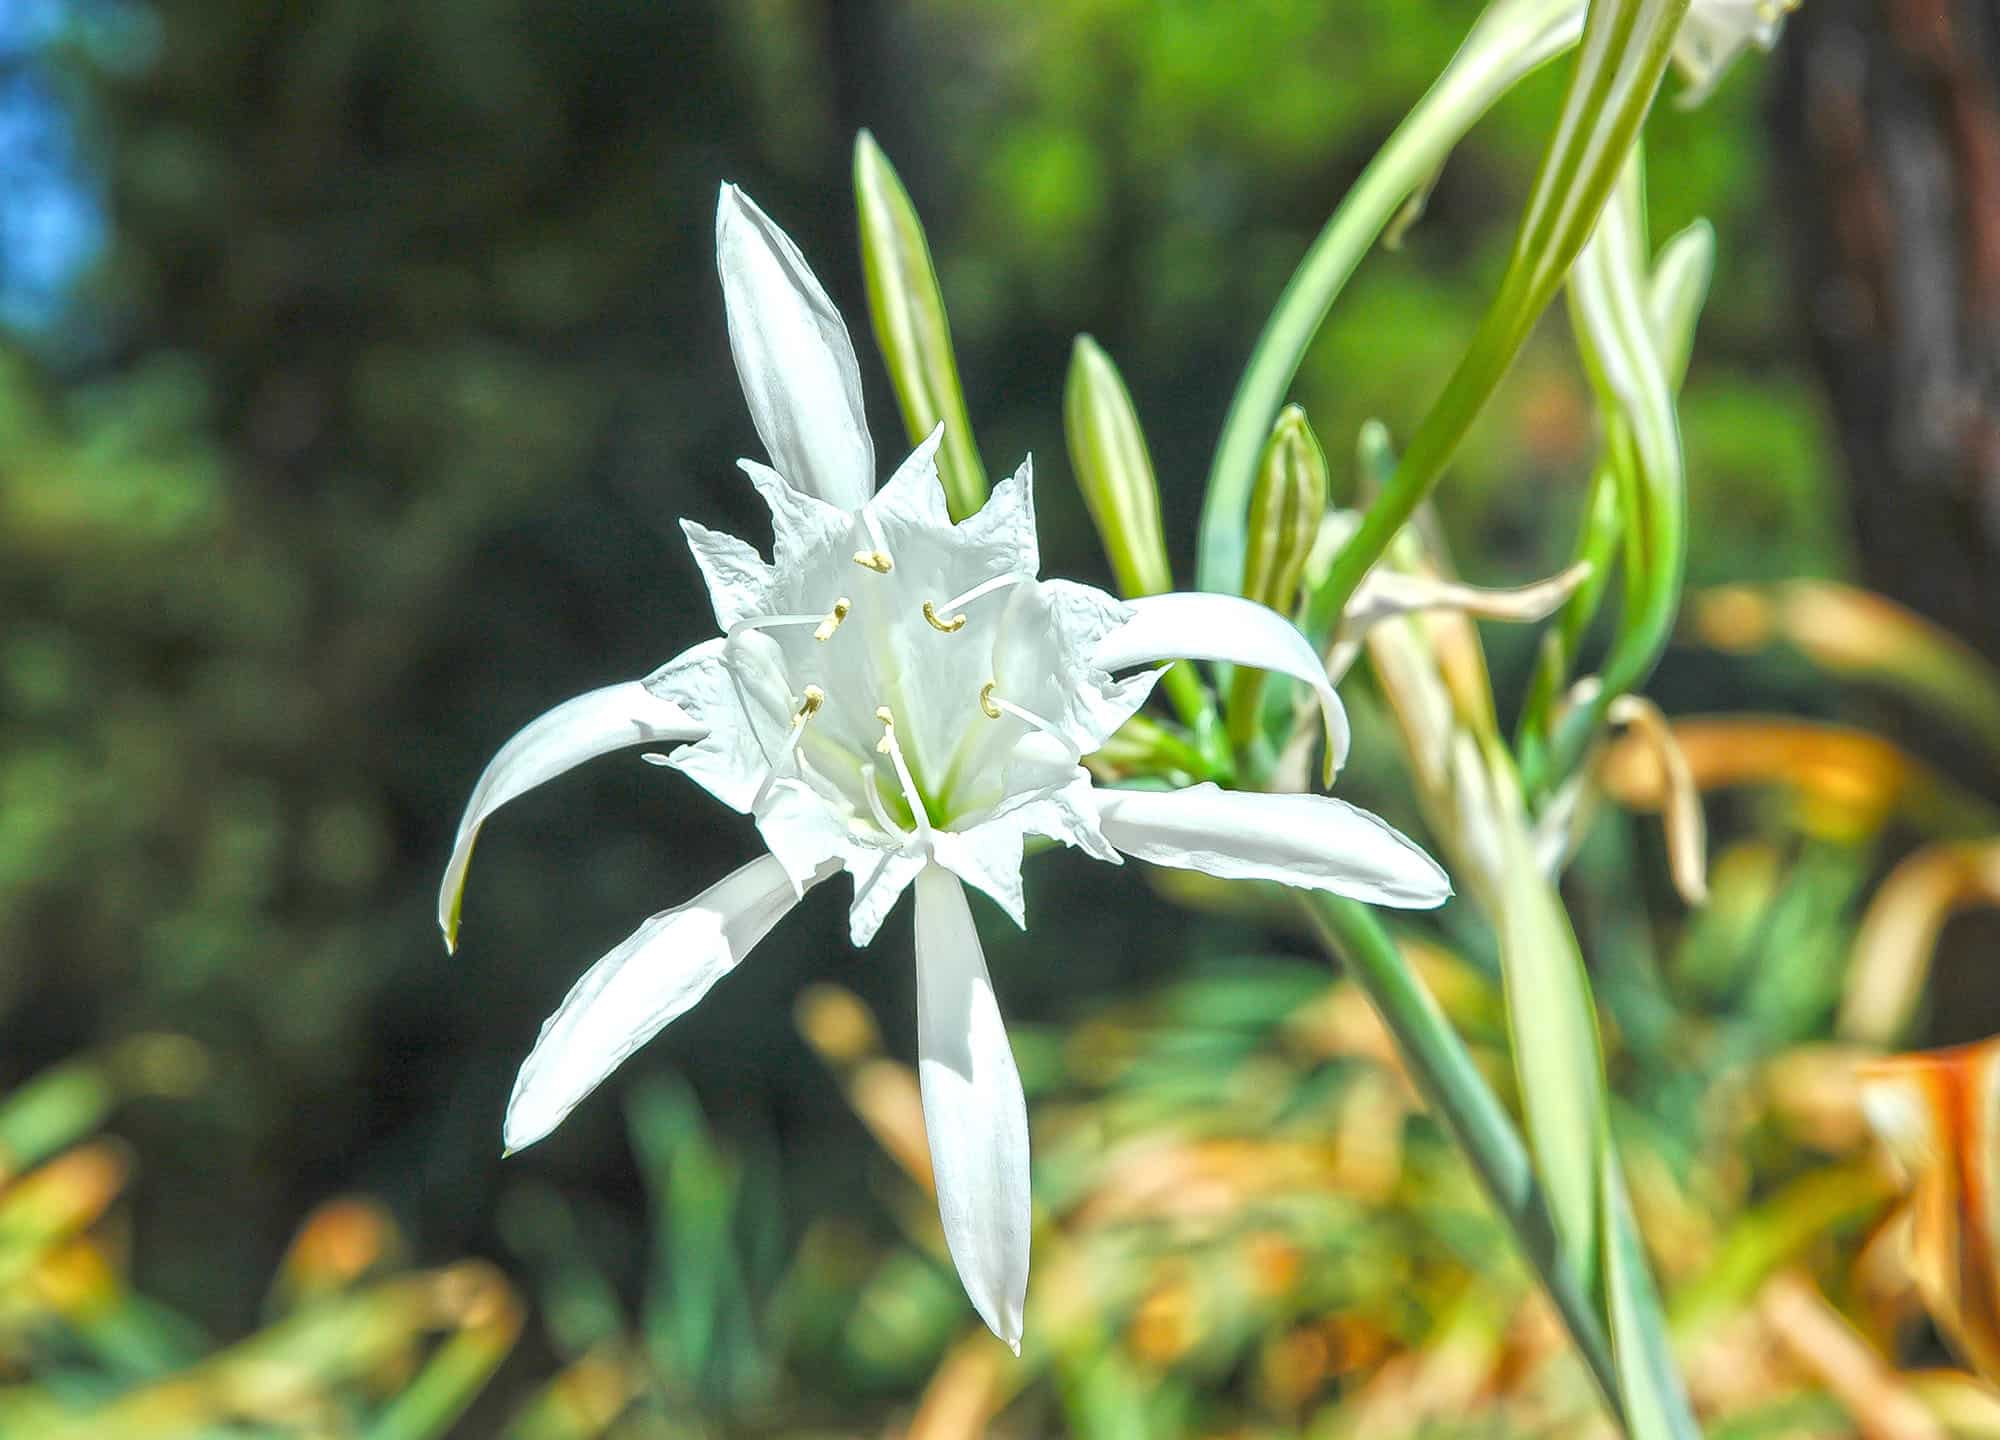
pixel 911 329
pixel 1511 39
pixel 1656 1402
pixel 1624 53
pixel 1553 1024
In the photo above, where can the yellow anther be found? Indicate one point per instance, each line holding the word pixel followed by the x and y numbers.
pixel 957 622
pixel 876 560
pixel 993 711
pixel 882 714
pixel 882 746
pixel 815 697
pixel 832 621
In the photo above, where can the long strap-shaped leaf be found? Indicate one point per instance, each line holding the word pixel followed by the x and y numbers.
pixel 1626 44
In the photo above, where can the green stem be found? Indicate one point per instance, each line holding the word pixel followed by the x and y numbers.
pixel 1511 39
pixel 1458 1093
pixel 1623 56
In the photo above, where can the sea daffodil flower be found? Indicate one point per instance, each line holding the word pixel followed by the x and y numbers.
pixel 904 698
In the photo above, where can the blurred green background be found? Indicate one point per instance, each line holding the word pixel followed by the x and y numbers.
pixel 361 357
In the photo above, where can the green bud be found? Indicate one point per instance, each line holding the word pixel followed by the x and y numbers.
pixel 911 328
pixel 1675 295
pixel 1285 511
pixel 1107 450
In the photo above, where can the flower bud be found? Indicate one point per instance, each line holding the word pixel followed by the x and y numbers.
pixel 1107 450
pixel 907 309
pixel 1285 512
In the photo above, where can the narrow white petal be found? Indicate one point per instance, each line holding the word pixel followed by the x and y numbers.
pixel 793 356
pixel 577 730
pixel 1185 625
pixel 974 1112
pixel 625 999
pixel 1312 841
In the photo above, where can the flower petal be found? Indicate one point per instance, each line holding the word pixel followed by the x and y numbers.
pixel 629 996
pixel 1183 625
pixel 577 730
pixel 737 577
pixel 974 1112
pixel 793 356
pixel 1312 841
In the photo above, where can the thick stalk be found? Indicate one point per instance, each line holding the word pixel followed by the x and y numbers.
pixel 1511 39
pixel 1623 56
pixel 1458 1094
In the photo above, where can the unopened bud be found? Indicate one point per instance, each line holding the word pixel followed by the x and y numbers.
pixel 1107 450
pixel 1285 512
pixel 907 308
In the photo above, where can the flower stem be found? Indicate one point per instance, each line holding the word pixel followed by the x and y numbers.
pixel 1511 39
pixel 1619 66
pixel 1458 1093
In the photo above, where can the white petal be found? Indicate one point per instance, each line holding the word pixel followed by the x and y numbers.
pixel 577 730
pixel 974 1112
pixel 804 528
pixel 1312 841
pixel 988 858
pixel 880 878
pixel 1007 521
pixel 629 996
pixel 914 495
pixel 793 356
pixel 1184 625
pixel 738 579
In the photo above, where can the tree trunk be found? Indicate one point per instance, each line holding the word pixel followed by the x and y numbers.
pixel 1887 124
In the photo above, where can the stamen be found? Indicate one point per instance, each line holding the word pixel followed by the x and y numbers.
pixel 876 559
pixel 654 757
pixel 935 613
pixel 875 805
pixel 887 744
pixel 985 587
pixel 832 621
pixel 946 627
pixel 809 707
pixel 995 707
pixel 773 622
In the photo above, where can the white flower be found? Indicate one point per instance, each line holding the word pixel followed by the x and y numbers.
pixel 1715 32
pixel 902 698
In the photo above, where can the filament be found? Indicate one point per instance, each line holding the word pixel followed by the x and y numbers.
pixel 985 587
pixel 888 746
pixel 875 805
pixel 808 707
pixel 994 707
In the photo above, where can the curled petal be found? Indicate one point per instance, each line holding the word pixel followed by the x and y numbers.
pixel 1312 841
pixel 628 997
pixel 1687 828
pixel 1233 631
pixel 577 730
pixel 974 1112
pixel 793 356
